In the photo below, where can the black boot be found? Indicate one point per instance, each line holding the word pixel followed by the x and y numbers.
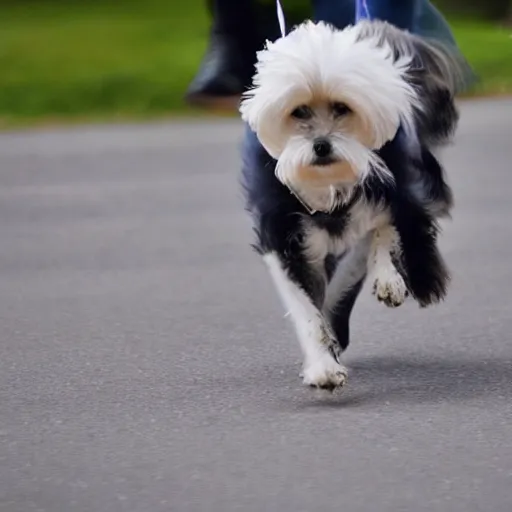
pixel 240 28
pixel 224 73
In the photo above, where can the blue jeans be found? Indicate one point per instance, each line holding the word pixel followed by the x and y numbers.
pixel 418 16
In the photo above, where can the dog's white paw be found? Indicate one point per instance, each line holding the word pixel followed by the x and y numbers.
pixel 390 289
pixel 325 373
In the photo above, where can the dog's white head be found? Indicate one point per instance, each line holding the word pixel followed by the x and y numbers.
pixel 323 101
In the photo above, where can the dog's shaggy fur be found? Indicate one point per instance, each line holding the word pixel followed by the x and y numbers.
pixel 340 175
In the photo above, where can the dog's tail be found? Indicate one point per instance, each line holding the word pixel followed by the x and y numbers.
pixel 437 70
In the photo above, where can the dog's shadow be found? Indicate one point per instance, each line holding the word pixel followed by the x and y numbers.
pixel 411 381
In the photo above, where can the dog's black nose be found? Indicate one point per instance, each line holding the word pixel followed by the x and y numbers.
pixel 322 147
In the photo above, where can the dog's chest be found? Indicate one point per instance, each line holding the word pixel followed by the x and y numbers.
pixel 361 220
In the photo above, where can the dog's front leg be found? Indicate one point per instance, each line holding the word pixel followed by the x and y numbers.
pixel 344 288
pixel 296 285
pixel 389 286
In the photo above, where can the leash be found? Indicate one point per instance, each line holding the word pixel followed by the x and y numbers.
pixel 362 10
pixel 280 18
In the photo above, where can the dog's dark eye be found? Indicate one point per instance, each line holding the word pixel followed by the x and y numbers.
pixel 302 112
pixel 340 109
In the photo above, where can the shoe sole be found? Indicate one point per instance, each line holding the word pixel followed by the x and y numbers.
pixel 213 102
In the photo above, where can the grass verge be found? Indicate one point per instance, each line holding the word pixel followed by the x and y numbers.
pixel 112 60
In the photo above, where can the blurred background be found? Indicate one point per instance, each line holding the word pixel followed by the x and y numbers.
pixel 133 59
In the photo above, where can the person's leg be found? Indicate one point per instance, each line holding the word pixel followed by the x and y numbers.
pixel 339 13
pixel 401 13
pixel 240 28
pixel 228 65
pixel 417 16
pixel 429 22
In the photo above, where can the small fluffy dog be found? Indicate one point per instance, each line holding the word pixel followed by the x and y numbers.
pixel 346 183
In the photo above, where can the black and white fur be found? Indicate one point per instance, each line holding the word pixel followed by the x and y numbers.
pixel 383 102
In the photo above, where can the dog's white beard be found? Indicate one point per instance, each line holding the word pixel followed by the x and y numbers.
pixel 317 186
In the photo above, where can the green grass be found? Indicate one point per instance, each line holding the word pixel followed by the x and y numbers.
pixel 97 59
pixel 108 59
pixel 488 48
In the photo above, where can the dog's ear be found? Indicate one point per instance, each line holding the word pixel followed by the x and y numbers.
pixel 261 100
pixel 264 114
pixel 437 71
pixel 249 108
pixel 278 86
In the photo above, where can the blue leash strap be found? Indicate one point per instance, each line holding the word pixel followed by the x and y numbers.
pixel 362 10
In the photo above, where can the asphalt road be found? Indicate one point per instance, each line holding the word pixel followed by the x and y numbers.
pixel 146 366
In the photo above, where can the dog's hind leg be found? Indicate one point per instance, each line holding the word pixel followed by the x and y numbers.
pixel 296 284
pixel 344 288
pixel 421 262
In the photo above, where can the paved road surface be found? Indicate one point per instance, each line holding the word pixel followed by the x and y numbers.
pixel 145 365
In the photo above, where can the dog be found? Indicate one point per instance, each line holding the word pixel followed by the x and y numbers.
pixel 340 175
